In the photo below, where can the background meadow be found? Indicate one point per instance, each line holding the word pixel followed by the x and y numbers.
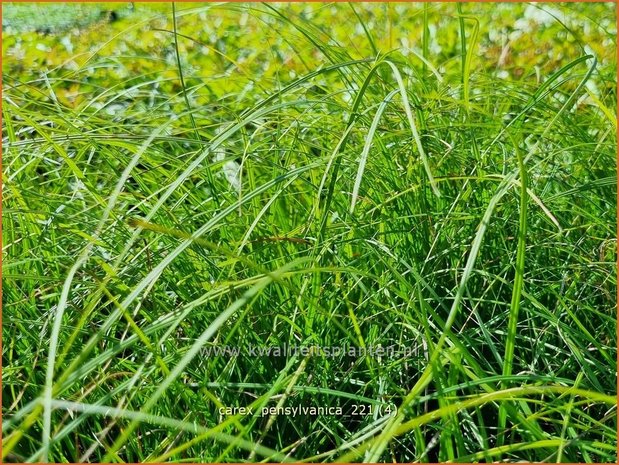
pixel 435 178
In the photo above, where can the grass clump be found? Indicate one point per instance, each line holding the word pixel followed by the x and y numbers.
pixel 201 203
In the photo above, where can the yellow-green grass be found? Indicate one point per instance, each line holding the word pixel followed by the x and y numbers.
pixel 435 178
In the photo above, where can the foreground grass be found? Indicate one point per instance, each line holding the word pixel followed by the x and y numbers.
pixel 288 190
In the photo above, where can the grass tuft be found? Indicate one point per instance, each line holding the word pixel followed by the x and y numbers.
pixel 427 191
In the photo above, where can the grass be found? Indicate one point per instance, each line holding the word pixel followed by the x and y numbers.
pixel 435 181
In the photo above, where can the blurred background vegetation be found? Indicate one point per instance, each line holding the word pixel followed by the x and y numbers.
pixel 245 47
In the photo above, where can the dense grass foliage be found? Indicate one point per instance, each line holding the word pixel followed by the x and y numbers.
pixel 434 184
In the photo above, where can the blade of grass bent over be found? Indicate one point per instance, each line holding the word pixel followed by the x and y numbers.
pixel 208 333
pixel 62 304
pixel 380 443
pixel 366 148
